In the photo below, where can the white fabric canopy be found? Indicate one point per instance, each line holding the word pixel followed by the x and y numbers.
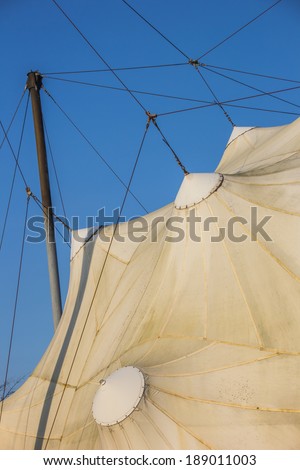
pixel 214 327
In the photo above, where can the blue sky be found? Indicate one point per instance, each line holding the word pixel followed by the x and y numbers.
pixel 34 35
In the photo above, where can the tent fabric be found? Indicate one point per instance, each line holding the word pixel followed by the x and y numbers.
pixel 213 325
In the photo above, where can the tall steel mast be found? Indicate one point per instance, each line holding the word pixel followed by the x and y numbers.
pixel 34 83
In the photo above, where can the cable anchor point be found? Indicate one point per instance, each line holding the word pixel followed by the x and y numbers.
pixel 28 192
pixel 195 63
pixel 151 117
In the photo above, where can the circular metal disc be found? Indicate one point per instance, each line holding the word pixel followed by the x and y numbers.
pixel 118 396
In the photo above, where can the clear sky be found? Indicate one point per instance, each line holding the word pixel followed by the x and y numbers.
pixel 34 35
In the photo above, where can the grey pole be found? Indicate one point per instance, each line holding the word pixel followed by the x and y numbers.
pixel 34 83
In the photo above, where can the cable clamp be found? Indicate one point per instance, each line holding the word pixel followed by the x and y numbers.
pixel 194 62
pixel 28 191
pixel 151 117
